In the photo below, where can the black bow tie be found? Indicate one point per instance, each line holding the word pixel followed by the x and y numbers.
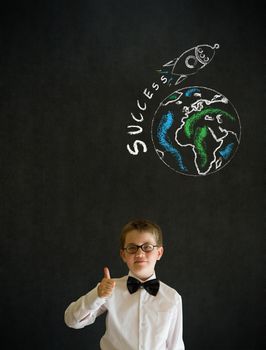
pixel 151 286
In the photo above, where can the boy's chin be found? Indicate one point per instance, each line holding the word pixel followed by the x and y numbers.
pixel 142 272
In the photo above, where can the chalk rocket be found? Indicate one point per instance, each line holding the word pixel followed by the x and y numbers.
pixel 190 62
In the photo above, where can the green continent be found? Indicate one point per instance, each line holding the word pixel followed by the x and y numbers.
pixel 200 145
pixel 191 121
pixel 172 97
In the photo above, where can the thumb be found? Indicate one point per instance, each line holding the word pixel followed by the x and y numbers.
pixel 106 273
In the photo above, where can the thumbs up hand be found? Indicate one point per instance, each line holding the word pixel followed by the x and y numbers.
pixel 107 285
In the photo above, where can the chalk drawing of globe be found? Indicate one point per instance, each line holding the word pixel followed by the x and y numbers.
pixel 196 131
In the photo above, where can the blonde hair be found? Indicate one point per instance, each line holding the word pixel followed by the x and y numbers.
pixel 142 225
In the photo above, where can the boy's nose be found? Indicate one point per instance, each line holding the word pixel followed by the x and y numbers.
pixel 139 252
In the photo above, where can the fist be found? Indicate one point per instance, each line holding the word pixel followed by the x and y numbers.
pixel 106 287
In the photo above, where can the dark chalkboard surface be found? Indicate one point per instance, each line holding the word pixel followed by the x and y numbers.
pixel 71 76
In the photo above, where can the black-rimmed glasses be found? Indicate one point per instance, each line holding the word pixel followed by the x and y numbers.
pixel 133 248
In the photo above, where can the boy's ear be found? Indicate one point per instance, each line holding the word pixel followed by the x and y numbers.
pixel 160 251
pixel 122 254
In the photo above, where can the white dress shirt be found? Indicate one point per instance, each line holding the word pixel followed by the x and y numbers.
pixel 136 321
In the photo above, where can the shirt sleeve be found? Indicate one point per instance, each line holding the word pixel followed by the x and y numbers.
pixel 175 337
pixel 84 311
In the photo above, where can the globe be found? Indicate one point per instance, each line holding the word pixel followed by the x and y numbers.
pixel 196 131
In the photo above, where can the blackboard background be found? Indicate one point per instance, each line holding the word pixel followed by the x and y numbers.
pixel 71 73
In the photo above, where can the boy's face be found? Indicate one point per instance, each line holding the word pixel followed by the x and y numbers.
pixel 141 264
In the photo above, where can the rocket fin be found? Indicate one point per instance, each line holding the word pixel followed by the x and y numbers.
pixel 180 79
pixel 170 63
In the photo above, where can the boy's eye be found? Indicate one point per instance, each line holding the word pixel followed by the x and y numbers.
pixel 147 247
pixel 132 248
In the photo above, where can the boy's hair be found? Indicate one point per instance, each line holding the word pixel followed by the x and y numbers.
pixel 142 225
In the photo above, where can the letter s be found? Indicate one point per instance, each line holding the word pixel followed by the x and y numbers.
pixel 135 151
pixel 163 79
pixel 155 86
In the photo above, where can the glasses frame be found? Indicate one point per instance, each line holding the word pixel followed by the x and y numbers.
pixel 141 247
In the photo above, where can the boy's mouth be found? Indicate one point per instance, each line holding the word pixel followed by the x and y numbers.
pixel 140 261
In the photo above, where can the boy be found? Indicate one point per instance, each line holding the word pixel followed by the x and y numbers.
pixel 142 312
